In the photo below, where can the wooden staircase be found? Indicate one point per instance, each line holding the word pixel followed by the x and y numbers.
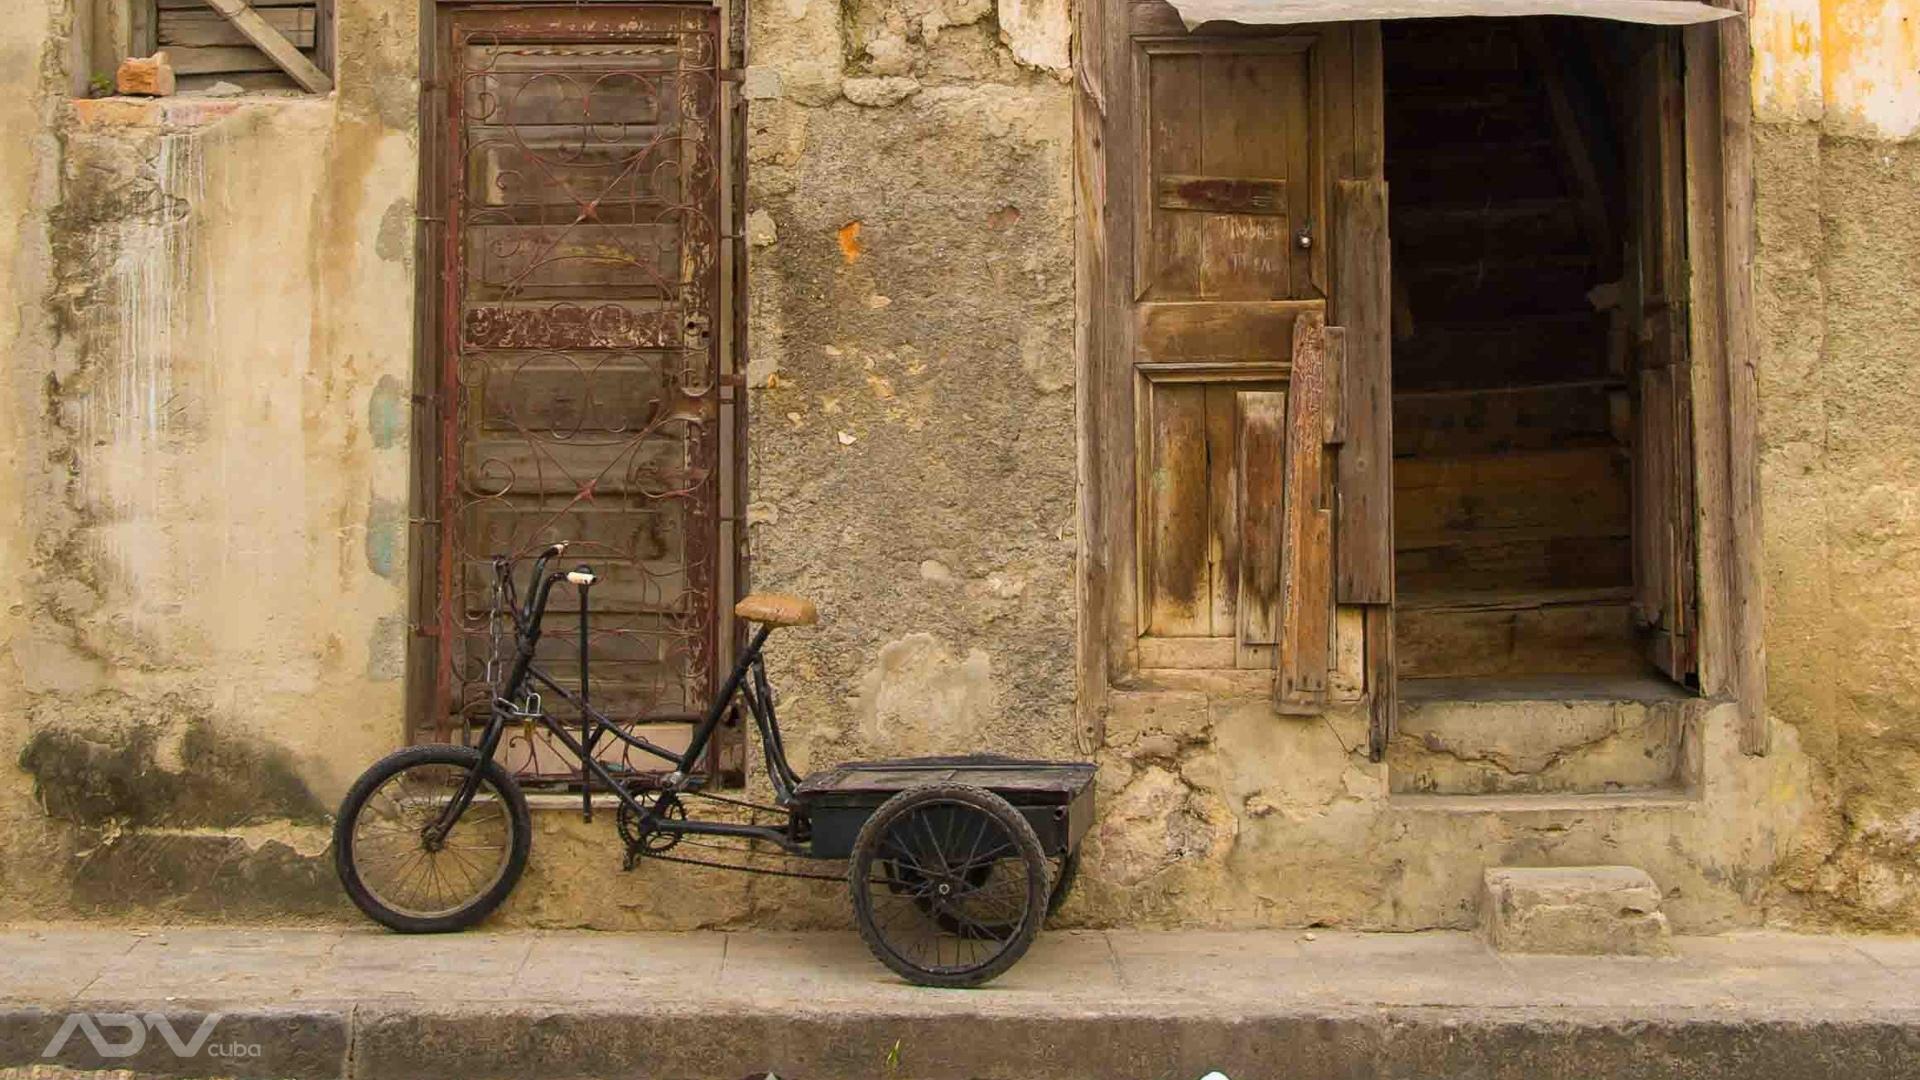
pixel 1512 468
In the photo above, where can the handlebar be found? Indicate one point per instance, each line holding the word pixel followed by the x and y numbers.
pixel 538 586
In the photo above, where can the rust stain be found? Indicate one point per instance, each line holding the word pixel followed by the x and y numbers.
pixel 850 249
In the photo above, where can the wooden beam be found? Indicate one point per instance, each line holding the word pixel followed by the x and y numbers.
pixel 1306 573
pixel 1364 561
pixel 1747 580
pixel 1582 147
pixel 274 44
pixel 1383 674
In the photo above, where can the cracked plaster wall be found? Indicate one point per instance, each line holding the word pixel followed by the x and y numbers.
pixel 203 566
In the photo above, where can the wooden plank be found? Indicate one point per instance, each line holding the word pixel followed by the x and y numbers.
pixel 1115 624
pixel 1093 562
pixel 1500 559
pixel 1223 506
pixel 1746 568
pixel 1364 563
pixel 1335 374
pixel 1306 571
pixel 1246 330
pixel 1455 423
pixel 1262 470
pixel 1383 675
pixel 218 60
pixel 1246 127
pixel 1167 253
pixel 207 27
pixel 1347 674
pixel 1452 354
pixel 1188 653
pixel 276 47
pixel 143 35
pixel 1243 257
pixel 323 35
pixel 1222 194
pixel 1175 527
pixel 1574 491
pixel 1369 103
pixel 1590 637
pixel 202 5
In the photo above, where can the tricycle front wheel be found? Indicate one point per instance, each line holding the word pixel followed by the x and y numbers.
pixel 391 860
pixel 949 884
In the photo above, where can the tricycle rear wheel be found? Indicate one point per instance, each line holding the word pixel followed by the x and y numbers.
pixel 949 884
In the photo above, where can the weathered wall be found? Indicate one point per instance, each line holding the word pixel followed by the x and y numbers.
pixel 1838 201
pixel 209 307
pixel 208 320
pixel 912 314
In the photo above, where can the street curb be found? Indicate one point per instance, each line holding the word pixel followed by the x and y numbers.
pixel 243 1043
pixel 948 1041
pixel 1334 1044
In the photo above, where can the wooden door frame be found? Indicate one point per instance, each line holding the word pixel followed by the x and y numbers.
pixel 727 755
pixel 1720 230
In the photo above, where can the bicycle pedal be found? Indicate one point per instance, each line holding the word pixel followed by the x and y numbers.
pixel 629 861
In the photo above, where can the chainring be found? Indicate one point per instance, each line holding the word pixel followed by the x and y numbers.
pixel 665 804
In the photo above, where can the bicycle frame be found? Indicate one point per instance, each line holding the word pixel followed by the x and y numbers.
pixel 594 725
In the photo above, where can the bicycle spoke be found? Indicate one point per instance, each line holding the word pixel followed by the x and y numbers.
pixel 397 865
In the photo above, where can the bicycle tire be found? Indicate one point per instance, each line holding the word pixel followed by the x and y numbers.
pixel 492 891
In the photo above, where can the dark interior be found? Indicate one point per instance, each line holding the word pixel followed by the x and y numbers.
pixel 1513 413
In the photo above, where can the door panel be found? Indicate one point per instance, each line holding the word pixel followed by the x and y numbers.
pixel 581 395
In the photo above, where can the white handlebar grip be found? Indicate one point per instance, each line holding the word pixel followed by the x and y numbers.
pixel 581 577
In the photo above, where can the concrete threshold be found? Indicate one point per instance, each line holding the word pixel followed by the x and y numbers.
pixel 1083 1004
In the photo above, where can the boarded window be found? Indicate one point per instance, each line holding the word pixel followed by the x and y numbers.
pixel 208 43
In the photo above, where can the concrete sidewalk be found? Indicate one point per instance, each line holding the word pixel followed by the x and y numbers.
pixel 369 1004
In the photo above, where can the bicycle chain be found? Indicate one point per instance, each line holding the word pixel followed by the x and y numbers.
pixel 762 870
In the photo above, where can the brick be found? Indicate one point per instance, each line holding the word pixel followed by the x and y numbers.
pixel 146 76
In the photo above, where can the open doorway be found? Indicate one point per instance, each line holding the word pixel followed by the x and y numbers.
pixel 1543 491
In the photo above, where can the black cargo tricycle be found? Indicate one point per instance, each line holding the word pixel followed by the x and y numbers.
pixel 953 862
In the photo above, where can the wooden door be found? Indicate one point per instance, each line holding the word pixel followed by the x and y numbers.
pixel 1256 187
pixel 1655 353
pixel 580 380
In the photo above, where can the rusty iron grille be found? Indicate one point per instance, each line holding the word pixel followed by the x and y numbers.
pixel 580 389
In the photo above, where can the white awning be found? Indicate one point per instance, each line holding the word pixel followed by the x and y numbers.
pixel 1656 12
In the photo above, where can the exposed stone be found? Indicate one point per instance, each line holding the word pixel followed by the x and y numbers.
pixel 1584 910
pixel 761 83
pixel 1038 33
pixel 921 698
pixel 879 91
pixel 889 54
pixel 761 230
pixel 811 83
pixel 146 76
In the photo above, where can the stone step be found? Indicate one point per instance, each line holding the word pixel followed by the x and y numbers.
pixel 1543 735
pixel 1573 910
